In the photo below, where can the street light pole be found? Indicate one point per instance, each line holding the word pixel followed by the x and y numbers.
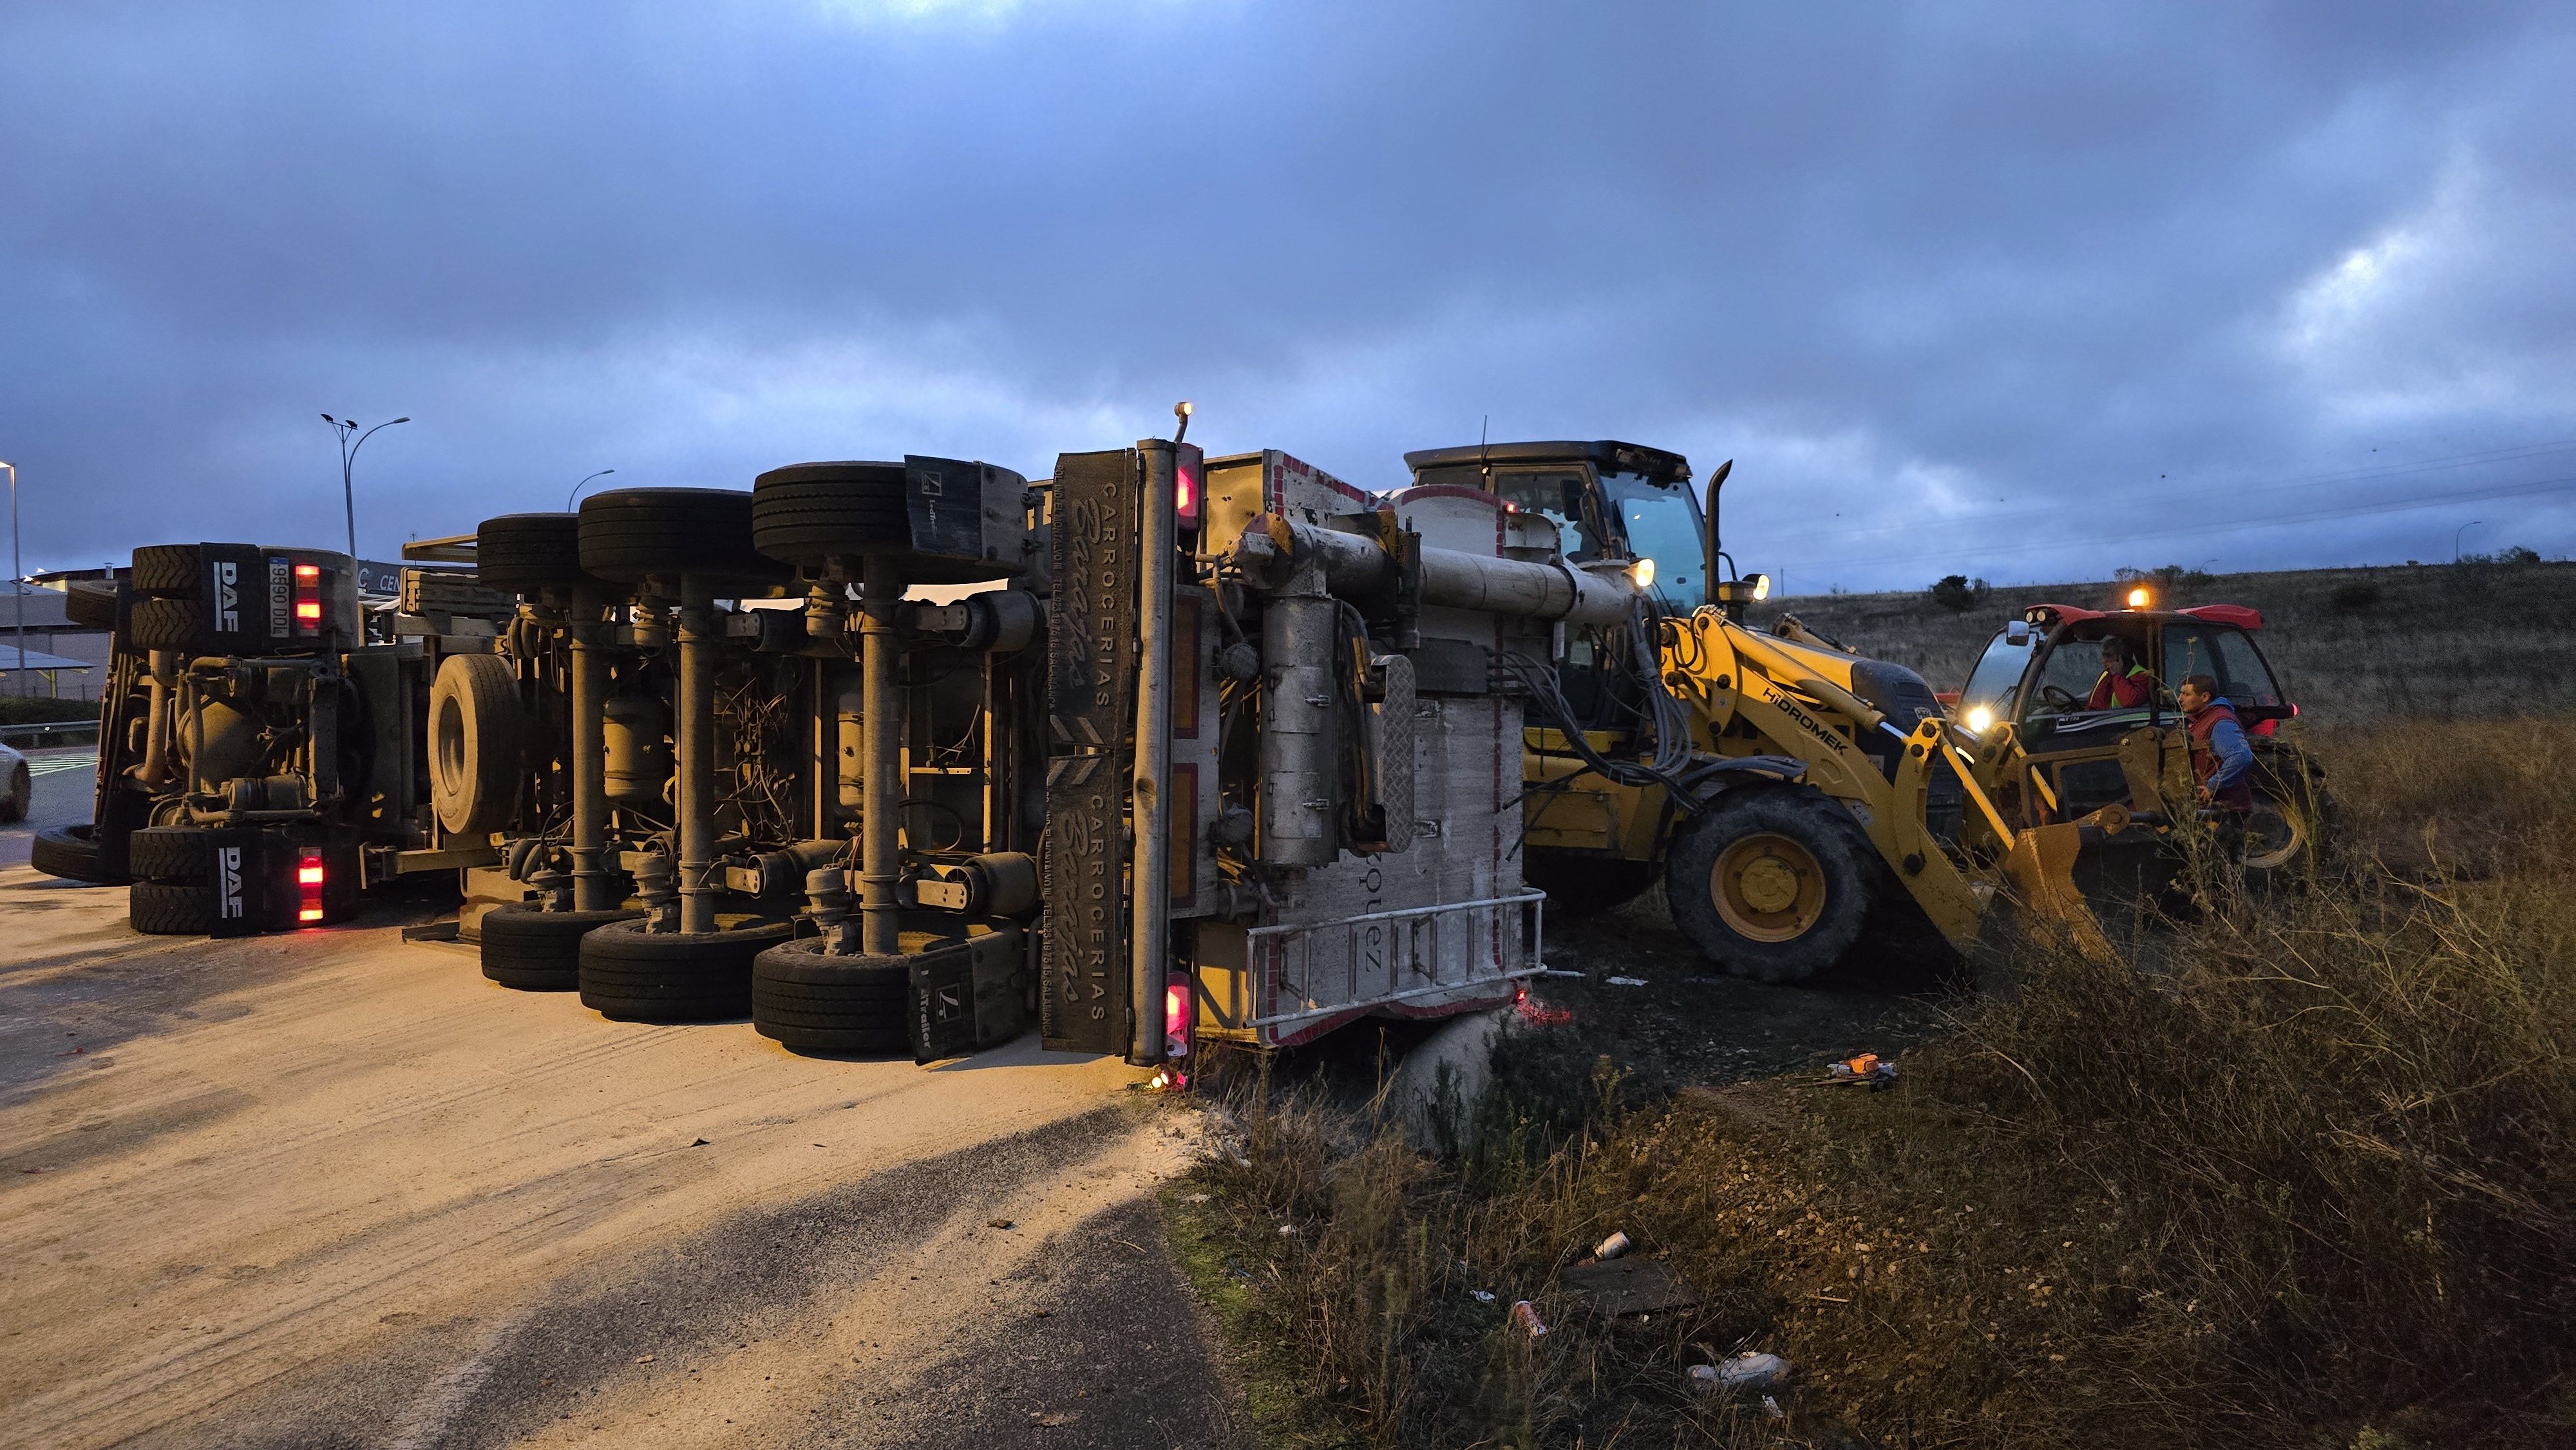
pixel 348 463
pixel 585 483
pixel 17 577
pixel 2455 537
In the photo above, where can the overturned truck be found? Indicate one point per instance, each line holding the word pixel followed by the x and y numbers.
pixel 897 755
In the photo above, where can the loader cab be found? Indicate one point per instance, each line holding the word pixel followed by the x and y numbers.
pixel 2040 673
pixel 1609 500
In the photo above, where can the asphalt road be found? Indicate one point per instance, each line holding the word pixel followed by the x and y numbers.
pixel 335 1190
pixel 63 780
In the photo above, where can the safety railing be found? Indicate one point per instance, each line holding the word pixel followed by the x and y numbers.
pixel 1380 949
pixel 50 733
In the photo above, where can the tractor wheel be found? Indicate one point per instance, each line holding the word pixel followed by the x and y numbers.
pixel 167 571
pixel 74 853
pixel 477 743
pixel 1772 884
pixel 807 513
pixel 172 908
pixel 635 533
pixel 173 854
pixel 809 1001
pixel 539 951
pixel 631 974
pixel 91 602
pixel 523 553
pixel 2290 834
pixel 1586 886
pixel 164 624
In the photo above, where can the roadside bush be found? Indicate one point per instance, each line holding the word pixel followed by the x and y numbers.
pixel 1958 593
pixel 16 710
pixel 2357 597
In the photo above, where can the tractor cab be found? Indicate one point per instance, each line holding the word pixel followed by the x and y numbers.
pixel 2074 683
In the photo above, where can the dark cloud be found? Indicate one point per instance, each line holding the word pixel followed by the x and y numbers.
pixel 2025 290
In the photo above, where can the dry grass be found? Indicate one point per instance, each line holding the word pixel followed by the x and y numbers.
pixel 2316 1187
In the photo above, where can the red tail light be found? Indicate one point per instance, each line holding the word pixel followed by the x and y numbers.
pixel 308 598
pixel 308 884
pixel 1188 485
pixel 1180 1013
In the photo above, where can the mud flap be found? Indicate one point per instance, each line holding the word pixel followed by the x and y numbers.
pixel 265 880
pixel 967 995
pixel 2041 868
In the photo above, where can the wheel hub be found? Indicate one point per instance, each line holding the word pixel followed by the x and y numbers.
pixel 1768 888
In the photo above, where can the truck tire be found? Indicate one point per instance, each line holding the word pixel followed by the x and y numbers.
pixel 530 950
pixel 477 743
pixel 91 602
pixel 807 513
pixel 1773 883
pixel 523 553
pixel 171 908
pixel 166 853
pixel 629 974
pixel 164 624
pixel 74 853
pixel 634 533
pixel 1585 886
pixel 808 1001
pixel 167 571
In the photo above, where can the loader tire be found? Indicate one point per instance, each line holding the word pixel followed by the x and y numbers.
pixel 477 743
pixel 171 854
pixel 74 853
pixel 167 571
pixel 1773 884
pixel 631 534
pixel 172 908
pixel 630 974
pixel 523 553
pixel 164 624
pixel 807 513
pixel 808 1001
pixel 91 602
pixel 529 950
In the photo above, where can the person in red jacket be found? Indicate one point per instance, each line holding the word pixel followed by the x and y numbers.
pixel 2220 756
pixel 2125 684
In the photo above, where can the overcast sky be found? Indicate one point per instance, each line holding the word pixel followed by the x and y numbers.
pixel 2027 291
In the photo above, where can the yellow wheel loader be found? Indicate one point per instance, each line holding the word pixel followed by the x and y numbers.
pixel 1800 802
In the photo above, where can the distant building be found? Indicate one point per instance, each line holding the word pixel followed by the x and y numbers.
pixel 65 661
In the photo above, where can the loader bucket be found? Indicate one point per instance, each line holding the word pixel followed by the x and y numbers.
pixel 2041 869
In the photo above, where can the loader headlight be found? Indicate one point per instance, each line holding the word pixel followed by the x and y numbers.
pixel 1978 719
pixel 1643 571
pixel 1761 587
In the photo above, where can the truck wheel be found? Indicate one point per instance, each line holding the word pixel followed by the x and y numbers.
pixel 630 974
pixel 172 908
pixel 166 853
pixel 477 743
pixel 1582 886
pixel 539 951
pixel 523 553
pixel 91 602
pixel 806 1000
pixel 74 853
pixel 634 533
pixel 164 624
pixel 167 571
pixel 808 512
pixel 1772 884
